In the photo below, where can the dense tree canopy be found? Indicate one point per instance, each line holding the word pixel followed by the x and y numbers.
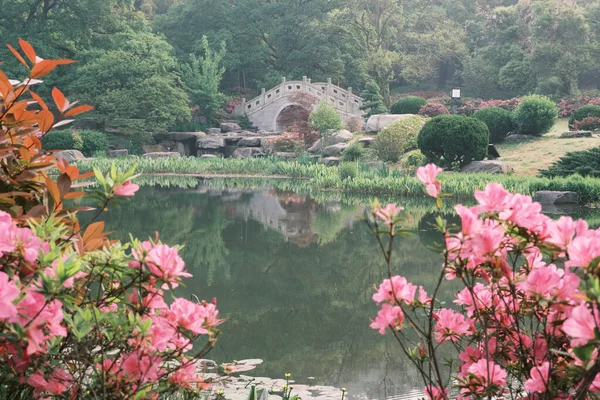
pixel 490 48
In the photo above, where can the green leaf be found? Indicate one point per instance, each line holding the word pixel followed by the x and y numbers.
pixel 584 353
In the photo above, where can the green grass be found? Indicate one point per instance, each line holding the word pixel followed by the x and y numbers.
pixel 368 181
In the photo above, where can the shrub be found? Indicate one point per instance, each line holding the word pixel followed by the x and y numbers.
pixel 498 120
pixel 356 151
pixel 397 138
pixel 372 100
pixel 325 120
pixel 584 163
pixel 584 112
pixel 354 124
pixel 450 139
pixel 348 170
pixel 408 105
pixel 413 159
pixel 469 107
pixel 588 124
pixel 567 106
pixel 433 110
pixel 58 140
pixel 287 143
pixel 93 142
pixel 535 115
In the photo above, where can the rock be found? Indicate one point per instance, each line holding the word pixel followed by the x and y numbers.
pixel 249 142
pixel 70 155
pixel 230 127
pixel 209 156
pixel 246 152
pixel 366 141
pixel 340 137
pixel 517 138
pixel 213 131
pixel 377 122
pixel 181 149
pixel 576 134
pixel 232 140
pixel 555 197
pixel 210 142
pixel 285 155
pixel 163 154
pixel 492 152
pixel 154 148
pixel 330 161
pixel 334 150
pixel 178 136
pixel 168 144
pixel 490 167
pixel 118 153
pixel 343 136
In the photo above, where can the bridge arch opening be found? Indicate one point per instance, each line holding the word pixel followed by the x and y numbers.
pixel 292 118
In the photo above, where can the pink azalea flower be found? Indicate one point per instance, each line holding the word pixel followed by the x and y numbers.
pixel 138 367
pixel 8 293
pixel 487 242
pixel 423 298
pixel 162 331
pixel 51 272
pixel 210 314
pixel 388 316
pixel 7 229
pixel 185 376
pixel 26 243
pixel 399 287
pixel 450 325
pixel 582 250
pixel 492 199
pixel 563 231
pixel 166 264
pixel 427 175
pixel 470 222
pixel 538 383
pixel 483 369
pixel 581 324
pixel 57 383
pixel 435 393
pixel 544 281
pixel 188 315
pixel 388 213
pixel 125 189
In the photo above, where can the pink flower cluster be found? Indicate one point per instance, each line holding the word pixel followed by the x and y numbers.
pixel 524 302
pixel 568 105
pixel 469 107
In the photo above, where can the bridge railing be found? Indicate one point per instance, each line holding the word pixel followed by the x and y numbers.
pixel 343 100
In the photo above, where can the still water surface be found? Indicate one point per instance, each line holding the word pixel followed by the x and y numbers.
pixel 293 276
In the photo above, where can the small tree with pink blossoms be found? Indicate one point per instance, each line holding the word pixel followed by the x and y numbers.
pixel 525 324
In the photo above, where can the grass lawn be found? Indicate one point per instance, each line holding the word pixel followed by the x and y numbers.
pixel 531 156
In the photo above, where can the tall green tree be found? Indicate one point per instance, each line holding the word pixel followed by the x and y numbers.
pixel 373 101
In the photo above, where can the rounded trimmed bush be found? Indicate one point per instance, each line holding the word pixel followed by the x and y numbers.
pixel 397 138
pixel 58 140
pixel 348 170
pixel 451 139
pixel 408 105
pixel 354 152
pixel 535 115
pixel 413 159
pixel 584 112
pixel 498 120
pixel 93 142
pixel 433 110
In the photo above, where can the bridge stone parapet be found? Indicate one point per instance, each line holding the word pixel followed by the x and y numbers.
pixel 264 110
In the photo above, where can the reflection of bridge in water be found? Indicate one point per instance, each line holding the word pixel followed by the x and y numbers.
pixel 264 110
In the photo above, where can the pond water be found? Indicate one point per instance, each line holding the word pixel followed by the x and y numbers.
pixel 294 277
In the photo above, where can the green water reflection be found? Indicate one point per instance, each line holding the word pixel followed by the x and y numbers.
pixel 293 275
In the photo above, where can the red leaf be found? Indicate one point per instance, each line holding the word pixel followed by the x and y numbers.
pixel 46 119
pixel 28 50
pixel 17 55
pixel 43 68
pixel 78 110
pixel 60 100
pixel 39 100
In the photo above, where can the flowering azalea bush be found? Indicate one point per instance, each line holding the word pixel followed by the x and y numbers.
pixel 567 106
pixel 83 316
pixel 525 322
pixel 433 109
pixel 587 124
pixel 469 107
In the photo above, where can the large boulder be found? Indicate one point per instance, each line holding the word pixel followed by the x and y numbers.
pixel 154 148
pixel 334 150
pixel 342 136
pixel 118 153
pixel 330 161
pixel 249 142
pixel 70 155
pixel 246 152
pixel 213 131
pixel 489 167
pixel 232 140
pixel 288 156
pixel 366 141
pixel 163 154
pixel 210 143
pixel 576 134
pixel 555 197
pixel 178 136
pixel 377 122
pixel 230 127
pixel 209 156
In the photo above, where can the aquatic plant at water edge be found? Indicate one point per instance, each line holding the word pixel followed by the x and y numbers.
pixel 525 319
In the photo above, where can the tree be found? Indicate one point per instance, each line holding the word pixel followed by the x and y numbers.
pixel 325 120
pixel 373 101
pixel 202 78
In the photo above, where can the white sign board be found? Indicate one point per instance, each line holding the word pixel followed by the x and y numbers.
pixel 456 93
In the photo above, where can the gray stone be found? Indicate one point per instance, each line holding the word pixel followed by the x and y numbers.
pixel 163 154
pixel 70 155
pixel 366 141
pixel 285 155
pixel 330 141
pixel 210 142
pixel 230 127
pixel 377 122
pixel 576 134
pixel 178 136
pixel 209 156
pixel 232 140
pixel 168 144
pixel 517 138
pixel 118 153
pixel 334 150
pixel 213 131
pixel 330 161
pixel 342 136
pixel 246 152
pixel 490 167
pixel 154 148
pixel 181 149
pixel 249 142
pixel 555 197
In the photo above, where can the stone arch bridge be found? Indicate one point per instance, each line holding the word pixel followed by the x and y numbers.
pixel 264 110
